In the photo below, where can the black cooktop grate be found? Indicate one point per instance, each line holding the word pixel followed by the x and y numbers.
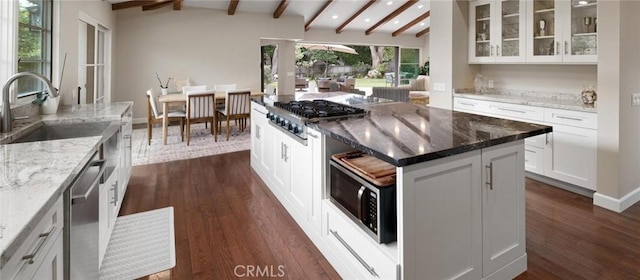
pixel 318 108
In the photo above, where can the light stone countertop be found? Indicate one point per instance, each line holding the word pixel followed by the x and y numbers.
pixel 34 175
pixel 560 101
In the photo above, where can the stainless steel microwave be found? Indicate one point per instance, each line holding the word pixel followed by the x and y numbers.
pixel 371 207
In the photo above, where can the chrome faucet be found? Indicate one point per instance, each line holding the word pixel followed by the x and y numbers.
pixel 6 108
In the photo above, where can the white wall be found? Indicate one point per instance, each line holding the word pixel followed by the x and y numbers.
pixel 208 46
pixel 66 26
pixel 618 77
pixel 550 78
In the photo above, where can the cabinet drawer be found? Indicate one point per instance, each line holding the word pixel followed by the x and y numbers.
pixel 515 111
pixel 539 141
pixel 571 118
pixel 363 254
pixel 26 260
pixel 534 159
pixel 470 105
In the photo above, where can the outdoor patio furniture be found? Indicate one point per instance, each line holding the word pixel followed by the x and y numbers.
pixel 323 85
pixel 302 83
pixel 393 93
pixel 389 79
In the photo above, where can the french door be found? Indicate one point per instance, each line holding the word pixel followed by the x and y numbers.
pixel 93 62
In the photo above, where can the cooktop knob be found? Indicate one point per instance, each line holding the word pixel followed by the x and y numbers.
pixel 268 115
pixel 296 129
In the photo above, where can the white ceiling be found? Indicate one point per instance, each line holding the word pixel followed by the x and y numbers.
pixel 343 9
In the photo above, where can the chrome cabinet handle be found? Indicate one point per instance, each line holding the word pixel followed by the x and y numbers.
pixel 360 193
pixel 312 135
pixel 498 50
pixel 491 52
pixel 566 47
pixel 362 262
pixel 43 239
pixel 281 150
pixel 568 118
pixel 286 153
pixel 511 110
pixel 546 139
pixel 115 193
pixel 557 47
pixel 258 132
pixel 255 109
pixel 489 181
pixel 468 104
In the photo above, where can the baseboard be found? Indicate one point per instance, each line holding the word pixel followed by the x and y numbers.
pixel 615 204
pixel 139 120
pixel 511 270
pixel 563 185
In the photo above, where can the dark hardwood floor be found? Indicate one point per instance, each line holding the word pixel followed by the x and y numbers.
pixel 226 219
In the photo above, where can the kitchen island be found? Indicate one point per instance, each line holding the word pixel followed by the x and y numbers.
pixel 459 184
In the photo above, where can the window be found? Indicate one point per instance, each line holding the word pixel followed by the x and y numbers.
pixel 34 43
pixel 409 64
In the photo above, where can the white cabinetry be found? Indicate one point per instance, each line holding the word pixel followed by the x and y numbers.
pixel 292 169
pixel 483 235
pixel 497 30
pixel 573 144
pixel 561 31
pixel 261 140
pixel 125 152
pixel 535 31
pixel 567 154
pixel 40 255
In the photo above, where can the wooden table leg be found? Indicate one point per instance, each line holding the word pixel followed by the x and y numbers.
pixel 165 109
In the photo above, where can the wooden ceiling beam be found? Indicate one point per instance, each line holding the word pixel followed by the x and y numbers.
pixel 233 5
pixel 131 4
pixel 280 10
pixel 177 5
pixel 157 5
pixel 425 31
pixel 324 7
pixel 354 16
pixel 411 24
pixel 391 16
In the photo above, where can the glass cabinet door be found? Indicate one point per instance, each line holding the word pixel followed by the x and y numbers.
pixel 582 43
pixel 482 21
pixel 545 44
pixel 510 46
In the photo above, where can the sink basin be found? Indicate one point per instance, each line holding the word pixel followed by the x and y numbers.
pixel 64 131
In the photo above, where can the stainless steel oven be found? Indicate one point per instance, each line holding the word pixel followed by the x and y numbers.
pixel 371 207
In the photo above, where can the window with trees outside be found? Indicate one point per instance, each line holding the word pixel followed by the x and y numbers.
pixel 34 43
pixel 409 64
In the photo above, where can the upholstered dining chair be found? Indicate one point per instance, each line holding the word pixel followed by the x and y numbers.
pixel 154 116
pixel 201 108
pixel 237 107
pixel 220 88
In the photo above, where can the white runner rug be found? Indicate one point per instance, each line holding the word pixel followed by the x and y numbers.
pixel 202 144
pixel 141 244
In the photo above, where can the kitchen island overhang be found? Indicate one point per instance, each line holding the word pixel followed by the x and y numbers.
pixel 460 192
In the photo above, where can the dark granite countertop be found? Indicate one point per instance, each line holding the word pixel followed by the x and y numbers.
pixel 339 97
pixel 404 134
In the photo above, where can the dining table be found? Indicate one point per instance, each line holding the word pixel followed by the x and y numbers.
pixel 178 98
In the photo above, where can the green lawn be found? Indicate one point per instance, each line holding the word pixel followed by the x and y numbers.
pixel 370 83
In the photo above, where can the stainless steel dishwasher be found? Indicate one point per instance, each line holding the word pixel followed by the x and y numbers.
pixel 81 206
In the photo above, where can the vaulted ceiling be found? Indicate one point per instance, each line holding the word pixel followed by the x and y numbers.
pixel 383 16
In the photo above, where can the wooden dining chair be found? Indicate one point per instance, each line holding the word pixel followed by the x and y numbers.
pixel 201 108
pixel 154 116
pixel 237 107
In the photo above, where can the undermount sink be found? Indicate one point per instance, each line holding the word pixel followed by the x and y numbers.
pixel 63 131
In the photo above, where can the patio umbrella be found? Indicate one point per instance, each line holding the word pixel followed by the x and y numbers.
pixel 328 47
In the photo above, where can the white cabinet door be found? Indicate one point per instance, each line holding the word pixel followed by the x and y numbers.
pixel 503 216
pixel 282 163
pixel 104 218
pixel 299 157
pixel 51 267
pixel 572 156
pixel 258 115
pixel 314 209
pixel 497 31
pixel 561 31
pixel 442 224
pixel 482 26
pixel 534 159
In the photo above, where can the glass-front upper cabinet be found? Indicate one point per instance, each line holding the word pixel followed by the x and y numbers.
pixel 497 29
pixel 562 31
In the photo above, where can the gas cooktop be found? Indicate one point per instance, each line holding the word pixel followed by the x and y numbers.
pixel 317 109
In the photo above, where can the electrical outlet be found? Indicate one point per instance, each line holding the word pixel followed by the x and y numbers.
pixel 490 84
pixel 635 99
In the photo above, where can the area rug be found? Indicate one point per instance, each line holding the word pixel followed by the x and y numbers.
pixel 141 244
pixel 201 145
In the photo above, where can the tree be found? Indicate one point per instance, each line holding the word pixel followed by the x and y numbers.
pixel 380 55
